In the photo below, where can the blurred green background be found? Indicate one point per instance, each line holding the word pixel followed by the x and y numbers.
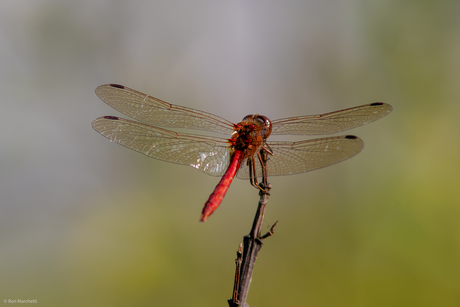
pixel 86 222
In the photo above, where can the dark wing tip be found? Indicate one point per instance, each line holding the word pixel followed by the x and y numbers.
pixel 386 106
pixel 99 122
pixel 351 137
pixel 117 86
pixel 112 117
pixel 101 90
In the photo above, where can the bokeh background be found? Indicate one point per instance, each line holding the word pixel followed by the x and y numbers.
pixel 86 222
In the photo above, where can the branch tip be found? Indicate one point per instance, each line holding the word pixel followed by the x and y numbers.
pixel 271 232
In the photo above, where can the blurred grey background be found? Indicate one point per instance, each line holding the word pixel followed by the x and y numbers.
pixel 87 222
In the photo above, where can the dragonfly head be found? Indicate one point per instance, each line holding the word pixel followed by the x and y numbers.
pixel 261 122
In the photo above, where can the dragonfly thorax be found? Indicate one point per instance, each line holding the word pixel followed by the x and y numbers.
pixel 251 133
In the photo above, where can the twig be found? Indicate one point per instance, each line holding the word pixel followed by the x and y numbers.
pixel 239 257
pixel 252 245
pixel 271 232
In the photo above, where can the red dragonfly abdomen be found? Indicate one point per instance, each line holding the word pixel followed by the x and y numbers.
pixel 218 194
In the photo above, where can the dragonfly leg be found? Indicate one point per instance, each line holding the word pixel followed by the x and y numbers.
pixel 267 149
pixel 263 158
pixel 253 174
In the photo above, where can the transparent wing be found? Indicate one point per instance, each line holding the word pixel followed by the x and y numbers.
pixel 332 122
pixel 207 154
pixel 299 157
pixel 153 111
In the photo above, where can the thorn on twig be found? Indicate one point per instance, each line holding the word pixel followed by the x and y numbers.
pixel 269 233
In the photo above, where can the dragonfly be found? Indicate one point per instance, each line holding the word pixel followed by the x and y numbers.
pixel 245 153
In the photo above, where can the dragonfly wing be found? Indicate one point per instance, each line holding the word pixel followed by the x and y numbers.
pixel 332 122
pixel 299 157
pixel 207 154
pixel 153 111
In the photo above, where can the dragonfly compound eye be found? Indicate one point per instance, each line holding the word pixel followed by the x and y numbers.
pixel 266 123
